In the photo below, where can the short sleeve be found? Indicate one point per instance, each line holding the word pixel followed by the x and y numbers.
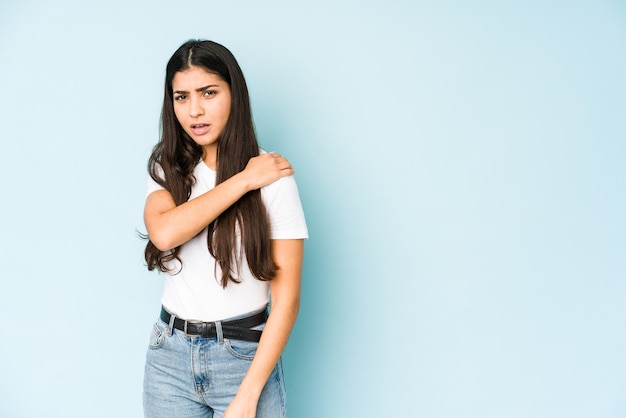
pixel 284 208
pixel 153 185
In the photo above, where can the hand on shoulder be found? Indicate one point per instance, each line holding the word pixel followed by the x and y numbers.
pixel 266 169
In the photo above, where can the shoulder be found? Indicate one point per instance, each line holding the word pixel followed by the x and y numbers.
pixel 281 191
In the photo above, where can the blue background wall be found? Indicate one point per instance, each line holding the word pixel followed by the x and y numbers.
pixel 462 168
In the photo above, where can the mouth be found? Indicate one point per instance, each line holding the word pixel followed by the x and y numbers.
pixel 200 128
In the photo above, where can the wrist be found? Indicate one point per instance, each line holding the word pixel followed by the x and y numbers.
pixel 249 392
pixel 243 182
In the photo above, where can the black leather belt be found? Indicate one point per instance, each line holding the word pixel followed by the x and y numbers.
pixel 237 329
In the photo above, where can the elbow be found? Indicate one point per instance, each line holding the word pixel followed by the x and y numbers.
pixel 162 241
pixel 292 301
pixel 294 309
pixel 289 305
pixel 295 305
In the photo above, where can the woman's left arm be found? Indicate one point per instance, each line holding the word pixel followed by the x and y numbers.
pixel 285 303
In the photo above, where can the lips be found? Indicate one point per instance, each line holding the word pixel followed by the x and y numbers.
pixel 200 128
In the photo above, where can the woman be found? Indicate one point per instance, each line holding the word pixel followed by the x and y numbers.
pixel 226 226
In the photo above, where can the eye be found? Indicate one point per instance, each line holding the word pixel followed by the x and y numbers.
pixel 209 93
pixel 179 97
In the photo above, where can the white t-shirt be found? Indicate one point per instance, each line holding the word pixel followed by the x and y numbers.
pixel 195 293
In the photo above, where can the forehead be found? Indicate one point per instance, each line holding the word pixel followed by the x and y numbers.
pixel 195 77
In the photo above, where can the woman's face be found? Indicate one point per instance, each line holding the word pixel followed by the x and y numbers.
pixel 202 106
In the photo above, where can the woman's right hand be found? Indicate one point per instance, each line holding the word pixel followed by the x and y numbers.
pixel 266 169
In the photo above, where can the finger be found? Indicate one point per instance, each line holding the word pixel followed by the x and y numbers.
pixel 283 163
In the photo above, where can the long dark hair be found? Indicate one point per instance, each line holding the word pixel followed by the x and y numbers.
pixel 177 155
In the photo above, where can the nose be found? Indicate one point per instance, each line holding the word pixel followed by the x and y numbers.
pixel 195 108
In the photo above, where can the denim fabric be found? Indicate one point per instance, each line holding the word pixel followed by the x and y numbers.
pixel 198 377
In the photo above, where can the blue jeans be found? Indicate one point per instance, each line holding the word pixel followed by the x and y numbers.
pixel 198 377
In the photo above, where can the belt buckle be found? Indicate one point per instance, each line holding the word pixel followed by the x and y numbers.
pixel 193 323
pixel 202 328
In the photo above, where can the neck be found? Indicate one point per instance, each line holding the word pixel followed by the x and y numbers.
pixel 209 156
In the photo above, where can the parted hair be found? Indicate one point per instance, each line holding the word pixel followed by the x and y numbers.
pixel 175 156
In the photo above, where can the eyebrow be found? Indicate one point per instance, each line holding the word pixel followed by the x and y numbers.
pixel 200 90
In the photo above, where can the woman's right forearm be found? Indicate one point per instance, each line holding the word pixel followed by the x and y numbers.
pixel 169 225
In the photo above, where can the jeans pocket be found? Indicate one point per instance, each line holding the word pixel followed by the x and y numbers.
pixel 243 349
pixel 240 349
pixel 157 337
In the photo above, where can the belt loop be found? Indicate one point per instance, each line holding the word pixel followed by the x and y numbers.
pixel 219 332
pixel 171 324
